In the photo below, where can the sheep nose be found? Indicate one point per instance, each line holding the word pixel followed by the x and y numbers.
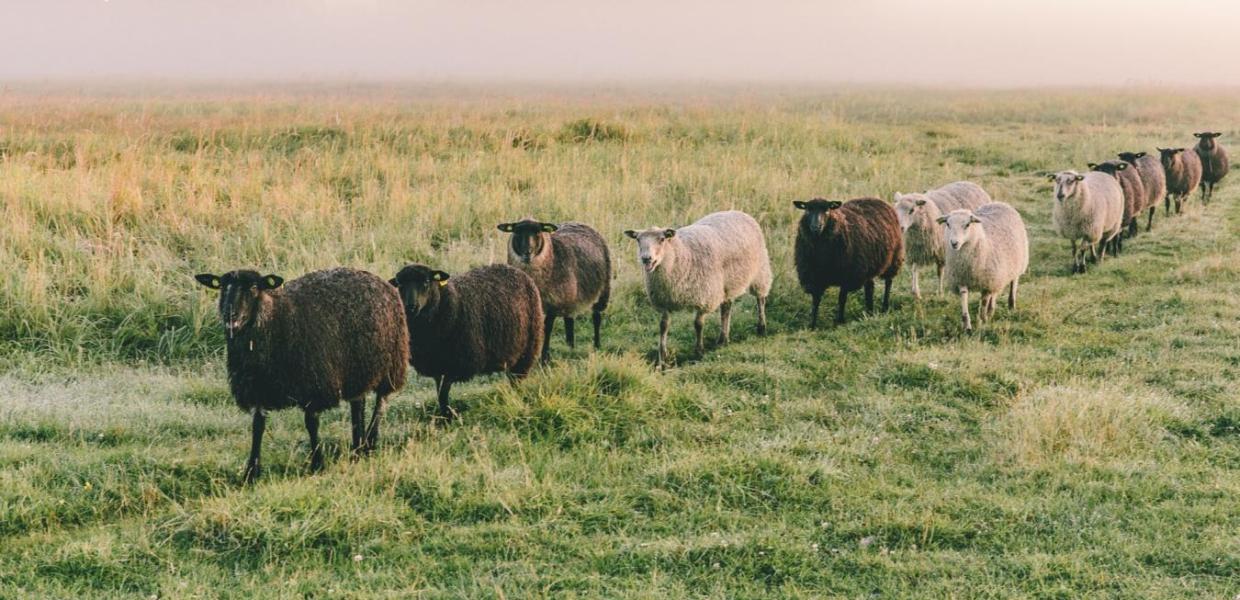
pixel 645 260
pixel 955 244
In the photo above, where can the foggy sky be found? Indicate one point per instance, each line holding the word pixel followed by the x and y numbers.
pixel 950 42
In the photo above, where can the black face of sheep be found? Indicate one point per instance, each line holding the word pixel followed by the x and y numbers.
pixel 1130 157
pixel 650 246
pixel 528 237
pixel 419 287
pixel 1207 140
pixel 241 294
pixel 1167 155
pixel 1109 168
pixel 817 217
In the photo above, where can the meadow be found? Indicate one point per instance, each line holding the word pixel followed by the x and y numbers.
pixel 1085 445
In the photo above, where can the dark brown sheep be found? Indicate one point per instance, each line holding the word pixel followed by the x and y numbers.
pixel 1183 171
pixel 847 244
pixel 570 265
pixel 1214 162
pixel 1153 179
pixel 486 321
pixel 1134 197
pixel 324 337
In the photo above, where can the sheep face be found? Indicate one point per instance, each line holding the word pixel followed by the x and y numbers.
pixel 1066 184
pixel 651 246
pixel 820 218
pixel 1169 156
pixel 1130 157
pixel 242 294
pixel 910 208
pixel 960 228
pixel 419 287
pixel 529 238
pixel 1206 138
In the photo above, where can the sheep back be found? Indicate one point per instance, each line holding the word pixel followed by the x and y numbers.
pixel 861 241
pixel 717 258
pixel 1129 183
pixel 487 320
pixel 959 194
pixel 1153 178
pixel 990 268
pixel 577 275
pixel 330 335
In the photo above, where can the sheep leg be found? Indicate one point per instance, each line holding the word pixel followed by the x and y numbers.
pixel 597 317
pixel 964 310
pixel 569 322
pixel 725 322
pixel 548 326
pixel 916 283
pixel 1167 205
pixel 1179 203
pixel 761 315
pixel 357 418
pixel 699 321
pixel 839 310
pixel 253 467
pixel 1150 222
pixel 316 450
pixel 1012 293
pixel 815 300
pixel 1076 258
pixel 376 417
pixel 940 270
pixel 445 411
pixel 886 295
pixel 665 323
pixel 869 296
pixel 1133 226
pixel 989 301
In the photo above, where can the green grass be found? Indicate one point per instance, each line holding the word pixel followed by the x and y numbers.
pixel 1085 445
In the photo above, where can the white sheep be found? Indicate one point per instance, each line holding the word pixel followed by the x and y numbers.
pixel 1089 210
pixel 703 267
pixel 987 250
pixel 923 238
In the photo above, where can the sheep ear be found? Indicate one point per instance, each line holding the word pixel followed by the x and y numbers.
pixel 1121 166
pixel 1139 154
pixel 898 196
pixel 669 234
pixel 1199 135
pixel 439 276
pixel 549 227
pixel 394 283
pixel 1051 176
pixel 974 219
pixel 1092 166
pixel 505 227
pixel 1080 177
pixel 941 220
pixel 271 282
pixel 208 280
pixel 800 204
pixel 630 233
pixel 834 204
pixel 920 203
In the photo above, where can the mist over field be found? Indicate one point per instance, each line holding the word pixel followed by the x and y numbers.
pixel 950 42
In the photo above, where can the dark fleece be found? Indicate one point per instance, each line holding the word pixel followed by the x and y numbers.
pixel 1130 182
pixel 331 335
pixel 487 320
pixel 860 241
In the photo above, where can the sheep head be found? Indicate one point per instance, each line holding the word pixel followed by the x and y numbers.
pixel 242 295
pixel 820 216
pixel 651 245
pixel 960 228
pixel 529 238
pixel 419 287
pixel 912 208
pixel 1130 157
pixel 1206 139
pixel 1066 183
pixel 1169 156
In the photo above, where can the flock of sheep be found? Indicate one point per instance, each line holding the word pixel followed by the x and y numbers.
pixel 342 333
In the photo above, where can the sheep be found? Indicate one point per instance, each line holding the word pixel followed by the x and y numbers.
pixel 987 250
pixel 1183 171
pixel 1134 197
pixel 1088 210
pixel 323 337
pixel 704 266
pixel 1153 179
pixel 571 266
pixel 847 244
pixel 1214 162
pixel 923 239
pixel 486 321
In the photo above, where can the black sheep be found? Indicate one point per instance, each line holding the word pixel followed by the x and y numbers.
pixel 847 244
pixel 485 321
pixel 324 337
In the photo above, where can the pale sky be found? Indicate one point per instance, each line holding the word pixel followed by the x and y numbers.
pixel 949 42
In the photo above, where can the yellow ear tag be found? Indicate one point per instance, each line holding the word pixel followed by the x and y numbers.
pixel 443 282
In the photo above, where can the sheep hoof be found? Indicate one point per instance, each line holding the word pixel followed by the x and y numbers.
pixel 252 471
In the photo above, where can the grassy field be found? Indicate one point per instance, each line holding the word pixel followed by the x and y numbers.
pixel 1085 445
